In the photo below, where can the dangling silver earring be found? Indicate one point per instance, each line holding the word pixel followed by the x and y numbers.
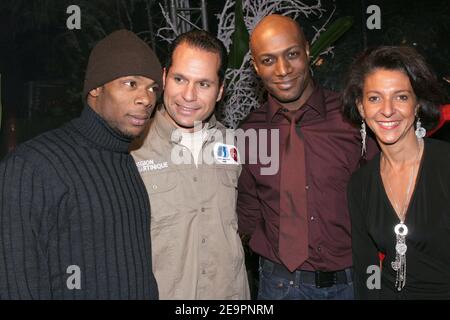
pixel 421 132
pixel 363 137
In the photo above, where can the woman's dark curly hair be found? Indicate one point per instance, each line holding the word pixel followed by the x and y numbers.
pixel 405 59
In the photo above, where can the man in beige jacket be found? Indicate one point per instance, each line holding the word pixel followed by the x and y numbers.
pixel 189 164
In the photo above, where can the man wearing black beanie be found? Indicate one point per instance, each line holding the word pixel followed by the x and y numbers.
pixel 74 212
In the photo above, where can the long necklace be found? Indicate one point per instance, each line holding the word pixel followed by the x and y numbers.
pixel 401 231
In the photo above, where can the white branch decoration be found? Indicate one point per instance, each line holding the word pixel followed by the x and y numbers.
pixel 322 29
pixel 244 92
pixel 171 27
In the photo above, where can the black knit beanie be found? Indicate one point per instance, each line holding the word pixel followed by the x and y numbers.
pixel 120 54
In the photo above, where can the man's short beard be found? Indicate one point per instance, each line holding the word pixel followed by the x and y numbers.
pixel 298 96
pixel 124 134
pixel 128 135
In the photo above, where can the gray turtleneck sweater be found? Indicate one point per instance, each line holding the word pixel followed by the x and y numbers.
pixel 74 217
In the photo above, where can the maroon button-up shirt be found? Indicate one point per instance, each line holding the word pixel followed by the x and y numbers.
pixel 333 153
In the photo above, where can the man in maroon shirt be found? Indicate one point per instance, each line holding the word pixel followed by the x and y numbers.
pixel 332 152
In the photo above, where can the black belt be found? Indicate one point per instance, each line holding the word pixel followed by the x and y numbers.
pixel 320 279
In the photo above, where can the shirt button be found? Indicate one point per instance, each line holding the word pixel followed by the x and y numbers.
pixel 203 240
pixel 154 187
pixel 307 187
pixel 312 218
pixel 195 179
pixel 319 248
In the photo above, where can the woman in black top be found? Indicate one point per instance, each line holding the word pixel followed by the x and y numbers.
pixel 400 201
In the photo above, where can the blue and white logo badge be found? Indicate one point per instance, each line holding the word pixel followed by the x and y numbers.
pixel 225 153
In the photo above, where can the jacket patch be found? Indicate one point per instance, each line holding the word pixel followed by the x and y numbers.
pixel 225 153
pixel 150 165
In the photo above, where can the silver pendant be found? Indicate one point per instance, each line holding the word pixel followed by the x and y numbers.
pixel 399 265
pixel 395 265
pixel 401 248
pixel 401 229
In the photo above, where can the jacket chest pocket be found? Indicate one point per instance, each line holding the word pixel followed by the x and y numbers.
pixel 227 190
pixel 161 190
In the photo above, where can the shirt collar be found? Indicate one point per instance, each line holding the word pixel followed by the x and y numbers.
pixel 316 101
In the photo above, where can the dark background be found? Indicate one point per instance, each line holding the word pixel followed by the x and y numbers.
pixel 42 63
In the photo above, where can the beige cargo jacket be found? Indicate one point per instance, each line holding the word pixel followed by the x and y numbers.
pixel 196 250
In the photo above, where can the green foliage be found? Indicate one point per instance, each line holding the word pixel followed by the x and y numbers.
pixel 240 38
pixel 327 38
